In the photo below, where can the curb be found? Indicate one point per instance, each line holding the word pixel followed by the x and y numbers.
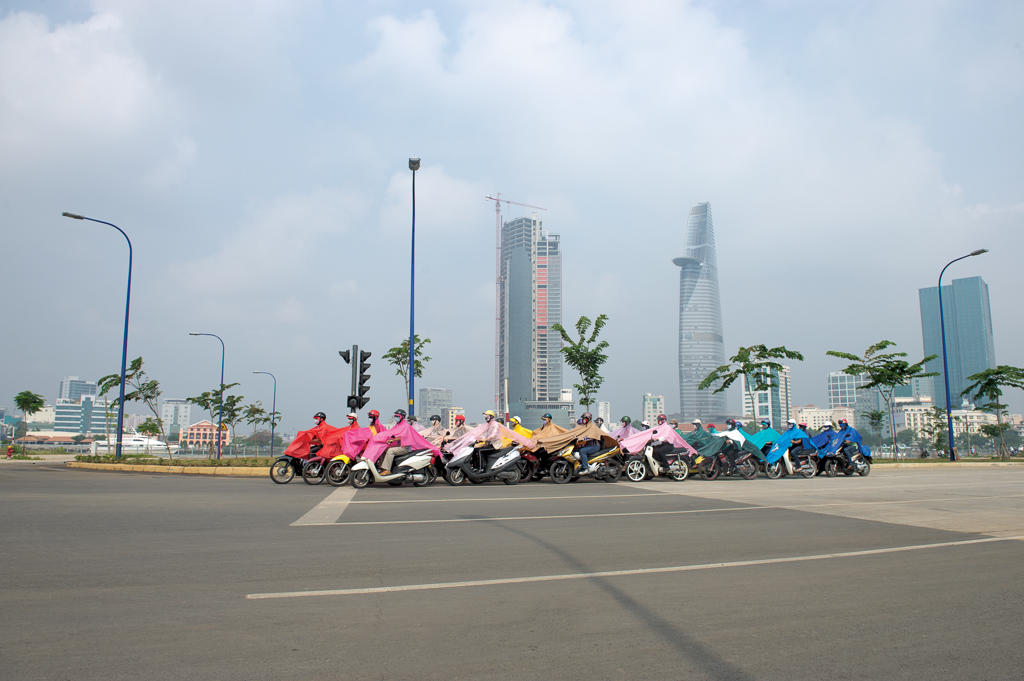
pixel 880 466
pixel 229 471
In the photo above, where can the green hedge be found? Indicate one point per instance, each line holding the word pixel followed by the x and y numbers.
pixel 260 462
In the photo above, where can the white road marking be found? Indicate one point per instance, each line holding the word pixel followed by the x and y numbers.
pixel 623 573
pixel 329 510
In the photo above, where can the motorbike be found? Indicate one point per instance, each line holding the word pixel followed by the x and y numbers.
pixel 643 465
pixel 484 464
pixel 286 467
pixel 834 464
pixel 796 459
pixel 313 469
pixel 740 463
pixel 605 464
pixel 416 466
pixel 337 471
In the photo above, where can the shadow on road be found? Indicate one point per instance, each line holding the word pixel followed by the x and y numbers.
pixel 687 647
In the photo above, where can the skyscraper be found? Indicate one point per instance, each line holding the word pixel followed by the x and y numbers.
pixel 72 388
pixel 433 401
pixel 774 404
pixel 969 344
pixel 701 349
pixel 529 303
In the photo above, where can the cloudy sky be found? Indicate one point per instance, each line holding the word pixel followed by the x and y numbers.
pixel 256 153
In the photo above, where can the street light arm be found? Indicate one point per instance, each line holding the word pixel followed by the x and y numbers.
pixel 220 406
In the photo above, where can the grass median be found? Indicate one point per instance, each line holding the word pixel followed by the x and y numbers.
pixel 143 460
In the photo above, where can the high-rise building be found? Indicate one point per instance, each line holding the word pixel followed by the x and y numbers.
pixel 72 388
pixel 176 415
pixel 604 411
pixel 774 404
pixel 86 416
pixel 652 406
pixel 701 348
pixel 529 357
pixel 969 343
pixel 844 390
pixel 448 415
pixel 432 402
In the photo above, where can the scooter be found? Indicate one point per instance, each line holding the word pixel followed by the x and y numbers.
pixel 416 466
pixel 643 465
pixel 286 467
pixel 495 464
pixel 833 464
pixel 796 459
pixel 605 464
pixel 338 470
pixel 742 463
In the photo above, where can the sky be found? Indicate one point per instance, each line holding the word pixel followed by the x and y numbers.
pixel 256 153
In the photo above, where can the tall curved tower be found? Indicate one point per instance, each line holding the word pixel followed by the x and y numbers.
pixel 701 349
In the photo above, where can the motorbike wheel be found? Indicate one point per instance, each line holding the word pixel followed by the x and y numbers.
pixel 864 472
pixel 711 469
pixel 636 470
pixel 808 469
pixel 337 473
pixel 613 471
pixel 747 469
pixel 847 471
pixel 313 472
pixel 361 478
pixel 831 468
pixel 526 471
pixel 281 472
pixel 431 477
pixel 454 476
pixel 679 470
pixel 513 480
pixel 561 472
pixel 773 470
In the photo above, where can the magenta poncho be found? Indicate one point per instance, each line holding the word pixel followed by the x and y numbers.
pixel 625 431
pixel 493 432
pixel 399 435
pixel 634 443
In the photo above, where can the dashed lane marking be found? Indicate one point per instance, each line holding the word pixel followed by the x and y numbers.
pixel 329 510
pixel 624 573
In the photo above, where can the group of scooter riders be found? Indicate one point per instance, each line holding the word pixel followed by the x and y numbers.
pixel 512 453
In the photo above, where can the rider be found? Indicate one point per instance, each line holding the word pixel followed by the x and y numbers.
pixel 848 433
pixel 396 448
pixel 375 425
pixel 435 433
pixel 599 422
pixel 586 446
pixel 316 443
pixel 458 431
pixel 661 446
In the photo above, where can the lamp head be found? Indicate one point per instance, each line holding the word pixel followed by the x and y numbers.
pixel 414 164
pixel 193 333
pixel 74 216
pixel 977 252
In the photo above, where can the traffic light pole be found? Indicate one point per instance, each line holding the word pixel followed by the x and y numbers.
pixel 357 358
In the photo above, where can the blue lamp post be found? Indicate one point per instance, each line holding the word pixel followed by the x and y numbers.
pixel 124 343
pixel 945 360
pixel 414 165
pixel 220 394
pixel 273 410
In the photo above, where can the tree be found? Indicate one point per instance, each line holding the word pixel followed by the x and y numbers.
pixel 756 362
pixel 875 417
pixel 210 401
pixel 138 387
pixel 255 415
pixel 153 428
pixel 988 385
pixel 906 437
pixel 885 371
pixel 398 357
pixel 585 356
pixel 29 403
pixel 933 426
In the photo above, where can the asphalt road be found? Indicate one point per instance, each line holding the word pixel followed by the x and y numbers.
pixel 901 575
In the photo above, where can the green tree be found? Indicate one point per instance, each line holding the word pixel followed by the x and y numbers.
pixel 875 417
pixel 906 437
pixel 988 385
pixel 29 403
pixel 934 427
pixel 885 371
pixel 585 355
pixel 398 357
pixel 153 428
pixel 138 387
pixel 255 415
pixel 756 362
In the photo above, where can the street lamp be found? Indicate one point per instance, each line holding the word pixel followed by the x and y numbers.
pixel 414 165
pixel 220 393
pixel 945 361
pixel 273 410
pixel 124 343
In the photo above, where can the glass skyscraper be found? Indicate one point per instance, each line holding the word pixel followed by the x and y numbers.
pixel 701 349
pixel 969 343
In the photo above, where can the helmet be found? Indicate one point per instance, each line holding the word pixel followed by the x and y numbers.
pixel 645 423
pixel 696 422
pixel 587 416
pixel 515 420
pixel 580 421
pixel 352 417
pixel 828 424
pixel 626 419
pixel 413 419
pixel 546 416
pixel 400 413
pixel 802 425
pixel 374 414
pixel 599 420
pixel 489 412
pixel 320 415
pixel 791 422
pixel 711 425
pixel 460 417
pixel 662 416
pixel 731 423
pixel 844 422
pixel 435 417
pixel 766 423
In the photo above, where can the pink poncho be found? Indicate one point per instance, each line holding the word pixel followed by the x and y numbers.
pixel 400 435
pixel 634 443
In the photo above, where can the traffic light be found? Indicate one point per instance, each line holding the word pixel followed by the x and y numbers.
pixel 346 355
pixel 361 387
pixel 353 402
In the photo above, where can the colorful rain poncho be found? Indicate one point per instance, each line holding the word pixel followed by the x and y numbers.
pixel 589 431
pixel 434 434
pixel 492 432
pixel 329 436
pixel 637 441
pixel 786 440
pixel 550 429
pixel 622 432
pixel 838 437
pixel 402 434
pixel 765 436
pixel 742 440
pixel 525 432
pixel 354 441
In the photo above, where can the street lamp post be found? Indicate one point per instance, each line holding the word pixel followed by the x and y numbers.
pixel 273 410
pixel 945 360
pixel 220 392
pixel 414 165
pixel 124 343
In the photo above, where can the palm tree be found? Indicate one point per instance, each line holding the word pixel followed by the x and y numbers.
pixel 29 403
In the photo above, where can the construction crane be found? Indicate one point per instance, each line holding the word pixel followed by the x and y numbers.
pixel 499 281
